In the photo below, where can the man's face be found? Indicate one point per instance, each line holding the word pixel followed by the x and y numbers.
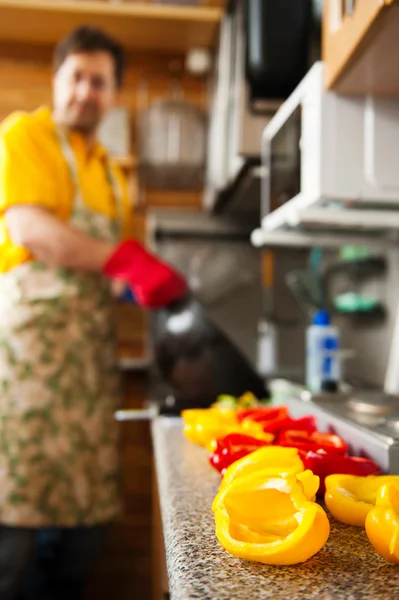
pixel 84 90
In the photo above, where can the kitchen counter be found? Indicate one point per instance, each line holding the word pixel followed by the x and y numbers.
pixel 198 567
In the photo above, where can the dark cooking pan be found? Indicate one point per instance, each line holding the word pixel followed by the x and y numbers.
pixel 196 358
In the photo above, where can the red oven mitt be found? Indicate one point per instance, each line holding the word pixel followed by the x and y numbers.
pixel 154 283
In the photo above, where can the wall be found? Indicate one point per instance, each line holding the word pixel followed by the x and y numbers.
pixel 369 338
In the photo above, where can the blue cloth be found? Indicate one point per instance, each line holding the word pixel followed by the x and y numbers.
pixel 127 296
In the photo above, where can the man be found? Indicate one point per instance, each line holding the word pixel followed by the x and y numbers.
pixel 63 213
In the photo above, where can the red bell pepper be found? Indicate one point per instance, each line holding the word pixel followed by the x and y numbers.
pixel 232 447
pixel 264 414
pixel 275 419
pixel 313 440
pixel 323 463
pixel 277 426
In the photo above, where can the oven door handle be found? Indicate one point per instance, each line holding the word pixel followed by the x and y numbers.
pixel 139 414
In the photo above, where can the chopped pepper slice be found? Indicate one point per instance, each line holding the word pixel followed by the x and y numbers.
pixel 270 520
pixel 382 522
pixel 313 440
pixel 203 425
pixel 263 414
pixel 277 426
pixel 275 459
pixel 350 498
pixel 247 399
pixel 323 464
pixel 232 447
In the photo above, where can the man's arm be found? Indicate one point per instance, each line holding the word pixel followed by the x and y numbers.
pixel 55 242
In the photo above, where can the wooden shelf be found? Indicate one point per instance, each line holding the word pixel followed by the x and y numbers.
pixel 361 52
pixel 137 25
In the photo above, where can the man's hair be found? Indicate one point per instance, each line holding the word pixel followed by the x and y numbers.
pixel 89 39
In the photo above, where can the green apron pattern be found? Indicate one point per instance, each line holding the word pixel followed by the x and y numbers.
pixel 59 386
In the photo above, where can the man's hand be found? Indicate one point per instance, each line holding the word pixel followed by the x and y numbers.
pixel 55 242
pixel 153 282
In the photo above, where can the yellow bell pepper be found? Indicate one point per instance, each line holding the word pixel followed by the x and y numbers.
pixel 276 459
pixel 270 520
pixel 204 426
pixel 256 480
pixel 350 498
pixel 382 522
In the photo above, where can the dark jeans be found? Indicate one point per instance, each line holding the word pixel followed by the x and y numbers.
pixel 48 563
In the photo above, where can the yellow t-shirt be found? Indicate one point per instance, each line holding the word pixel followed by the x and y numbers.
pixel 33 171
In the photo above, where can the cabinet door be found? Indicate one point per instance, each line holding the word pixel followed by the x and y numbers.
pixel 160 584
pixel 360 46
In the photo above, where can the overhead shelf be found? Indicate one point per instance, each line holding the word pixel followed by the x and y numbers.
pixel 307 222
pixel 261 238
pixel 137 25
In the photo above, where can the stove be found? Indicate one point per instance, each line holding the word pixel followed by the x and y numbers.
pixel 368 421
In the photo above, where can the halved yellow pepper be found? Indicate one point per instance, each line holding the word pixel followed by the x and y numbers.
pixel 382 522
pixel 270 520
pixel 276 459
pixel 350 498
pixel 240 486
pixel 204 426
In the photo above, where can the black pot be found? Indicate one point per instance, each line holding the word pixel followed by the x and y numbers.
pixel 196 358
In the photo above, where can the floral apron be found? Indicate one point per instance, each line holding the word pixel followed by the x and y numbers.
pixel 59 386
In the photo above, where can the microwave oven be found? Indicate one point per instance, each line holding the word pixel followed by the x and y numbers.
pixel 261 56
pixel 324 149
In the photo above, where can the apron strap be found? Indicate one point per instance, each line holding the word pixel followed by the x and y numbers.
pixel 70 159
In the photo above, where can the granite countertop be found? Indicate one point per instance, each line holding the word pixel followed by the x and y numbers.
pixel 198 567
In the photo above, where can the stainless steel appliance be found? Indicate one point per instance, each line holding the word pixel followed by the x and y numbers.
pixel 368 421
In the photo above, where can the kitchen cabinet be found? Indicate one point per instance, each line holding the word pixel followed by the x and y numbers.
pixel 360 46
pixel 125 569
pixel 160 583
pixel 138 25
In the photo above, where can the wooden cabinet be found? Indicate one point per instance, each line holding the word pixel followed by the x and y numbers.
pixel 125 569
pixel 137 24
pixel 361 49
pixel 159 579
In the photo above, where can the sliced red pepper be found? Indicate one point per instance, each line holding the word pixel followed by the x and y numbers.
pixel 232 447
pixel 239 441
pixel 223 459
pixel 313 440
pixel 323 463
pixel 276 426
pixel 263 414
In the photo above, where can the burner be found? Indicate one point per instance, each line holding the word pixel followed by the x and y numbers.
pixel 370 420
pixel 374 404
pixel 390 427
